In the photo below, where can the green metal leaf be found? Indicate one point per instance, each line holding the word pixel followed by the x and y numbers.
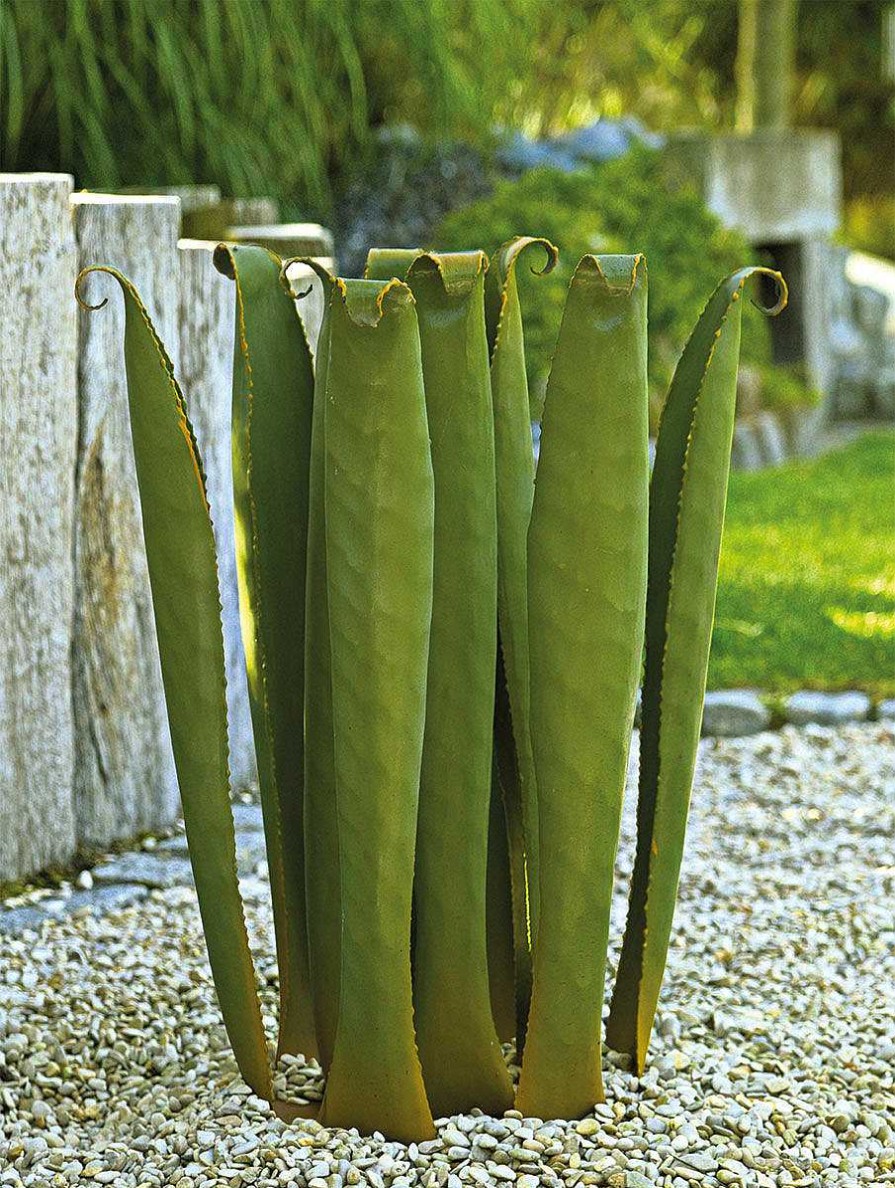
pixel 321 821
pixel 587 557
pixel 379 530
pixel 509 882
pixel 514 461
pixel 273 390
pixel 687 498
pixel 459 1049
pixel 180 553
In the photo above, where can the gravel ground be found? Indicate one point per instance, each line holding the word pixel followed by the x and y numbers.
pixel 772 1062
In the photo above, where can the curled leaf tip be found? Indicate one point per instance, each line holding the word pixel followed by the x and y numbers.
pixel 367 302
pixel 618 274
pixel 310 262
pixel 510 251
pixel 551 257
pixel 504 260
pixel 81 277
pixel 458 271
pixel 394 294
pixel 222 258
pixel 395 261
pixel 224 255
pixel 781 289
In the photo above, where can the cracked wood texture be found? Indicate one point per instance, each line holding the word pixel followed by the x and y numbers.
pixel 206 376
pixel 38 430
pixel 124 772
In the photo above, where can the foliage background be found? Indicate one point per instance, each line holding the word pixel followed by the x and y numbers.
pixel 621 205
pixel 261 98
pixel 283 97
pixel 296 98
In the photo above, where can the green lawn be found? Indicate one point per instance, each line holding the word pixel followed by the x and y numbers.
pixel 806 595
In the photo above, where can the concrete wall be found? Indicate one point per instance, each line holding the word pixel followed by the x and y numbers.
pixel 774 186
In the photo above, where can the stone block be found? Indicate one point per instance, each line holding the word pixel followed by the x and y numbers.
pixel 827 709
pixel 31 917
pixel 192 198
pixel 813 303
pixel 161 871
pixel 804 429
pixel 125 782
pixel 771 439
pixel 776 186
pixel 731 713
pixel 748 391
pixel 38 445
pixel 746 454
pixel 286 239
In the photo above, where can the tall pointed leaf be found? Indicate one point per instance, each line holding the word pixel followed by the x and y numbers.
pixel 587 554
pixel 321 824
pixel 514 461
pixel 180 553
pixel 379 516
pixel 272 400
pixel 687 498
pixel 459 1049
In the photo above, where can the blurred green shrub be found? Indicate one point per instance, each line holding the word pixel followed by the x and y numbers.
pixel 618 206
pixel 869 224
pixel 785 388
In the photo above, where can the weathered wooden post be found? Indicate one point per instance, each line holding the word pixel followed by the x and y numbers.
pixel 38 434
pixel 210 220
pixel 124 772
pixel 207 313
pixel 192 198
